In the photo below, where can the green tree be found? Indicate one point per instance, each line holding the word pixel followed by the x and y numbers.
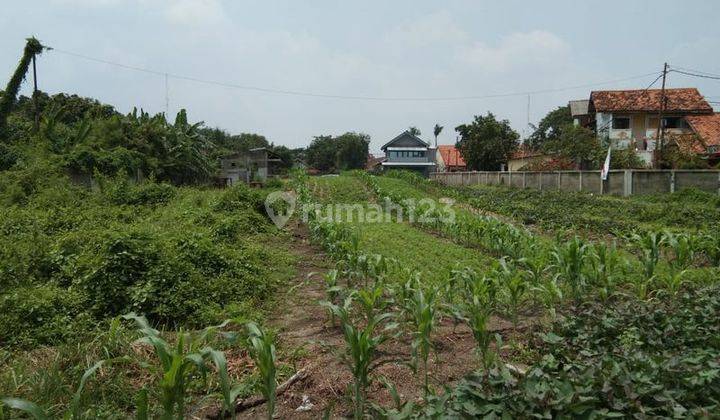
pixel 436 131
pixel 321 153
pixel 33 47
pixel 414 131
pixel 285 155
pixel 486 143
pixel 550 127
pixel 352 150
pixel 578 144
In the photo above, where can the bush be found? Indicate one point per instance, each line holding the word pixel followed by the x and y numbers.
pixel 43 314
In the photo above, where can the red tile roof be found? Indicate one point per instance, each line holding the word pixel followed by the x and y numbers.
pixel 685 100
pixel 707 127
pixel 524 153
pixel 450 155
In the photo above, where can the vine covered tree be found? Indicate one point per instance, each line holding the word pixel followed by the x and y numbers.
pixel 33 47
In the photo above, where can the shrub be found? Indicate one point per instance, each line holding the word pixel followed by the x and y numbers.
pixel 41 315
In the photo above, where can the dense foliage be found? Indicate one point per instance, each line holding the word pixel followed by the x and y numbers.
pixel 687 210
pixel 648 359
pixel 487 143
pixel 550 127
pixel 329 154
pixel 70 257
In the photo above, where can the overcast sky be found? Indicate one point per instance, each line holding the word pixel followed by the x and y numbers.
pixel 360 48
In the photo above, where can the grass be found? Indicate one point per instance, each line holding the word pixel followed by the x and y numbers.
pixel 420 251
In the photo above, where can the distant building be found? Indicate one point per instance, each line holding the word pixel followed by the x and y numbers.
pixel 525 158
pixel 255 165
pixel 374 163
pixel 407 151
pixel 449 159
pixel 629 119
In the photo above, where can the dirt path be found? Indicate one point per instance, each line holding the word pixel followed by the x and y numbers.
pixel 304 333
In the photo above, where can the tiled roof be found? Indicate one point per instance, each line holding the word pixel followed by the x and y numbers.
pixel 707 127
pixel 525 152
pixel 686 100
pixel 450 155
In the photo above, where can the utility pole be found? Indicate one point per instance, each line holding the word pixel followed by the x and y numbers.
pixel 661 128
pixel 35 96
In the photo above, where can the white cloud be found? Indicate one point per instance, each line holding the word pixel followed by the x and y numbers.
pixel 516 50
pixel 434 29
pixel 194 11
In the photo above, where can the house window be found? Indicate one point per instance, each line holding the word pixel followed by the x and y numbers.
pixel 674 122
pixel 621 123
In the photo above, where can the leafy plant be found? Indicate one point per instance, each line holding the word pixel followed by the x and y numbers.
pixel 262 350
pixel 361 348
pixel 423 315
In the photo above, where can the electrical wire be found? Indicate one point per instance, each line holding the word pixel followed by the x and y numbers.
pixel 704 76
pixel 345 97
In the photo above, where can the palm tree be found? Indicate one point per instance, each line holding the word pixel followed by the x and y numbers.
pixel 414 131
pixel 437 130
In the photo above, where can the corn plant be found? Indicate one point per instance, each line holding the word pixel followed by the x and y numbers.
pixel 179 364
pixel 711 248
pixel 423 316
pixel 549 293
pixel 606 264
pixel 683 247
pixel 262 351
pixel 569 260
pixel 361 349
pixel 514 287
pixel 650 245
pixel 479 307
pixel 671 282
pixel 332 290
pixel 371 301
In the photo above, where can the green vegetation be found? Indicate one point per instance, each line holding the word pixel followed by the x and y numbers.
pixel 344 152
pixel 687 210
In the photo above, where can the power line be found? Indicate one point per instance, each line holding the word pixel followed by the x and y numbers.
pixel 704 76
pixel 346 97
pixel 696 71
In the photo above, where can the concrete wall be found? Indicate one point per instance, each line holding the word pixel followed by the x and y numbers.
pixel 619 182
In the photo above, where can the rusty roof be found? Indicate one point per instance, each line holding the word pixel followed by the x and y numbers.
pixel 707 127
pixel 685 100
pixel 451 155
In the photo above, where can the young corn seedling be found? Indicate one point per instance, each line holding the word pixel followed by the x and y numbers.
pixel 569 261
pixel 371 301
pixel 361 347
pixel 606 264
pixel 262 351
pixel 332 291
pixel 650 245
pixel 514 287
pixel 178 365
pixel 683 247
pixel 423 316
pixel 480 305
pixel 710 245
